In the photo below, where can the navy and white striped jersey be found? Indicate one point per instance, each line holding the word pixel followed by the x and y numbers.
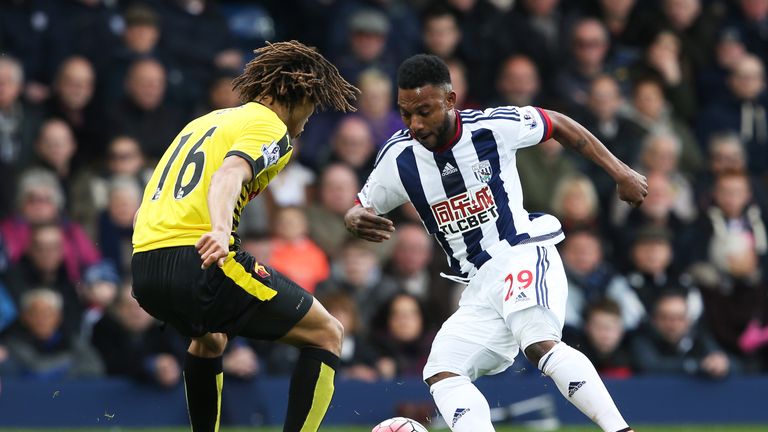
pixel 468 194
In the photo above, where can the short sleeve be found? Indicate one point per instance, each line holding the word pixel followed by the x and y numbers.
pixel 261 144
pixel 383 191
pixel 531 126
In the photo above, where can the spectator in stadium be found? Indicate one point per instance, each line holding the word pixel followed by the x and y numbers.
pixel 375 105
pixel 726 154
pixel 293 253
pixel 440 33
pixel 663 60
pixel 576 205
pixel 29 32
pixel 652 271
pixel 219 94
pixel 90 187
pixel 359 360
pixel 40 201
pixel 97 292
pixel 730 252
pixel 367 46
pixel 657 210
pixel 356 271
pixel 458 72
pixel 240 360
pixel 660 154
pixel 19 120
pixel 651 111
pixel 195 35
pixel 620 135
pixel 88 28
pixel 116 222
pixel 538 30
pixel 603 340
pixel 41 348
pixel 338 186
pixel 671 344
pixel 412 266
pixel 629 24
pixel 591 279
pixel 694 25
pixel 72 101
pixel 589 45
pixel 133 345
pixel 55 149
pixel 401 333
pixel 712 78
pixel 43 264
pixel 518 83
pixel 140 39
pixel 142 113
pixel 742 112
pixel 352 144
pixel 548 157
pixel 750 20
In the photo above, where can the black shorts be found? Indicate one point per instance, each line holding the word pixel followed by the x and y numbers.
pixel 243 298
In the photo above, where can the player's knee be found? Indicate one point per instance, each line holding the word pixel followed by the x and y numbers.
pixel 210 345
pixel 333 335
pixel 535 351
pixel 439 377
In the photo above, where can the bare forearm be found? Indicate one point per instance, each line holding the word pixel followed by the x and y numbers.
pixel 571 134
pixel 222 198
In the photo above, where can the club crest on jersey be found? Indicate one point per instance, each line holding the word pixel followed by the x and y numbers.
pixel 270 153
pixel 483 171
pixel 261 271
pixel 466 211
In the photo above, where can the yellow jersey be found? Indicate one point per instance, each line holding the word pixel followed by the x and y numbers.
pixel 174 209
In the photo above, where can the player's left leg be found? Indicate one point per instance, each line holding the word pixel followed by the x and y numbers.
pixel 319 337
pixel 538 329
pixel 294 317
pixel 203 380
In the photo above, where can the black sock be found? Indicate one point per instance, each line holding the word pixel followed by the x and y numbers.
pixel 311 390
pixel 203 379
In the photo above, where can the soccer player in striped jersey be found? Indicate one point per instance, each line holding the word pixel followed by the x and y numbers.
pixel 458 169
pixel 188 268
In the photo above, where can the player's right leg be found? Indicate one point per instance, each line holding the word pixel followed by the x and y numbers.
pixel 203 381
pixel 472 342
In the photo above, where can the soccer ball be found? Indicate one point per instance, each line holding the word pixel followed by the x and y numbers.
pixel 399 424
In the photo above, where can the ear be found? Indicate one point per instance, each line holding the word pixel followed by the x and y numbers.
pixel 450 99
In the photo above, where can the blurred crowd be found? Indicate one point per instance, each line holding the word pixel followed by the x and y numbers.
pixel 93 91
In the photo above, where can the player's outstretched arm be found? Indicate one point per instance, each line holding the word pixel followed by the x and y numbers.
pixel 632 186
pixel 364 223
pixel 226 184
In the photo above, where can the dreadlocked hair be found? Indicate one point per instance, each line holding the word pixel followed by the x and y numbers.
pixel 289 73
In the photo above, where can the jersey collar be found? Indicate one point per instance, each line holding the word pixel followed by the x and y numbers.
pixel 452 142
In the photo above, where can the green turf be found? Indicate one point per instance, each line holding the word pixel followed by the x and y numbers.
pixel 691 428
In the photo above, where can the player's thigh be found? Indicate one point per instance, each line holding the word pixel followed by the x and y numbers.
pixel 473 342
pixel 275 318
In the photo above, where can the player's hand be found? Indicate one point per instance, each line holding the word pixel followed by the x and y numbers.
pixel 632 187
pixel 364 223
pixel 213 247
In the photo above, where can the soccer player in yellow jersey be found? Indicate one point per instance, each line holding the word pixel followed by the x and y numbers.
pixel 188 269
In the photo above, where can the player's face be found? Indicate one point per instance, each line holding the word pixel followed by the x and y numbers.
pixel 298 118
pixel 428 113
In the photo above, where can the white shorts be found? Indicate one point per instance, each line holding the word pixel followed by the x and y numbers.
pixel 514 300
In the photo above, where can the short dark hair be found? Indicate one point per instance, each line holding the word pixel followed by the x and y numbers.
pixel 422 69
